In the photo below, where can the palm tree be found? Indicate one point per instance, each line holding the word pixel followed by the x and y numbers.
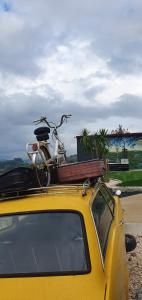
pixel 103 148
pixel 102 143
pixel 86 141
pixel 96 143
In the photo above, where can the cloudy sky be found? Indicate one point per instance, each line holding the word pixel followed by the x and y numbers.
pixel 82 57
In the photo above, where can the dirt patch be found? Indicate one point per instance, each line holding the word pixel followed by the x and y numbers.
pixel 113 183
pixel 135 271
pixel 132 207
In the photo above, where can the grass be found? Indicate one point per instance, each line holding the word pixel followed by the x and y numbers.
pixel 128 178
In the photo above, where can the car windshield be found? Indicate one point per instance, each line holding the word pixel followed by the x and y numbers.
pixel 43 243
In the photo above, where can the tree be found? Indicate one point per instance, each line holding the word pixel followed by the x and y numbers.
pixel 96 143
pixel 87 142
pixel 102 143
pixel 120 130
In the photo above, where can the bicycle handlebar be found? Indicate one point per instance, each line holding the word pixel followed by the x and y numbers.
pixel 44 120
pixel 63 118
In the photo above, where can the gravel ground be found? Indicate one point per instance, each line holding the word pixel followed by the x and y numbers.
pixel 135 271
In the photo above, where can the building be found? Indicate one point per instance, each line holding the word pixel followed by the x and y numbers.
pixel 124 148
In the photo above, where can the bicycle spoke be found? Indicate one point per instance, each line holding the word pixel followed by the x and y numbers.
pixel 43 176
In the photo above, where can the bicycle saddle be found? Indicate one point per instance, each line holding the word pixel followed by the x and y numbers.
pixel 42 133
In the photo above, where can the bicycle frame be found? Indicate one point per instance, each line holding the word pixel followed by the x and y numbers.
pixel 42 149
pixel 33 154
pixel 59 152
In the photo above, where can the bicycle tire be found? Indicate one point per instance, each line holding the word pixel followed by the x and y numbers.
pixel 42 169
pixel 38 161
pixel 43 176
pixel 40 158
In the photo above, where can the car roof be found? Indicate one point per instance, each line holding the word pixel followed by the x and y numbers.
pixel 69 197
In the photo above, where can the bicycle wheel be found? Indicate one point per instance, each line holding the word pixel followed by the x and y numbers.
pixel 42 167
pixel 40 158
pixel 43 176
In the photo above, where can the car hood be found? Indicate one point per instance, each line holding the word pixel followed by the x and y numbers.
pixel 82 287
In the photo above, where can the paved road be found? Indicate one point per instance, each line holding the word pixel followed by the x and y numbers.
pixel 132 206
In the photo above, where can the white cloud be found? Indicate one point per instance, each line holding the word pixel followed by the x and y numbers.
pixel 82 57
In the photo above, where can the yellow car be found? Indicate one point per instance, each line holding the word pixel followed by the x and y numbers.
pixel 63 243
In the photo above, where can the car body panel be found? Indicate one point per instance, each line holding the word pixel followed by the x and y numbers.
pixel 61 287
pixel 106 280
pixel 115 263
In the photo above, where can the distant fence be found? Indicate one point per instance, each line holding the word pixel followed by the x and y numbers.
pixel 118 167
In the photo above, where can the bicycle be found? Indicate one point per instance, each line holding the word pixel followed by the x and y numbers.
pixel 40 155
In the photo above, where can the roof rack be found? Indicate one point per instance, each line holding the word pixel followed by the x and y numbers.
pixel 13 194
pixel 19 193
pixel 22 181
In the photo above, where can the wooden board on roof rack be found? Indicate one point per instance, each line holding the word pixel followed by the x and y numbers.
pixel 76 172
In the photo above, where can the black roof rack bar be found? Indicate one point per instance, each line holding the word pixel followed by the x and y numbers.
pixel 20 192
